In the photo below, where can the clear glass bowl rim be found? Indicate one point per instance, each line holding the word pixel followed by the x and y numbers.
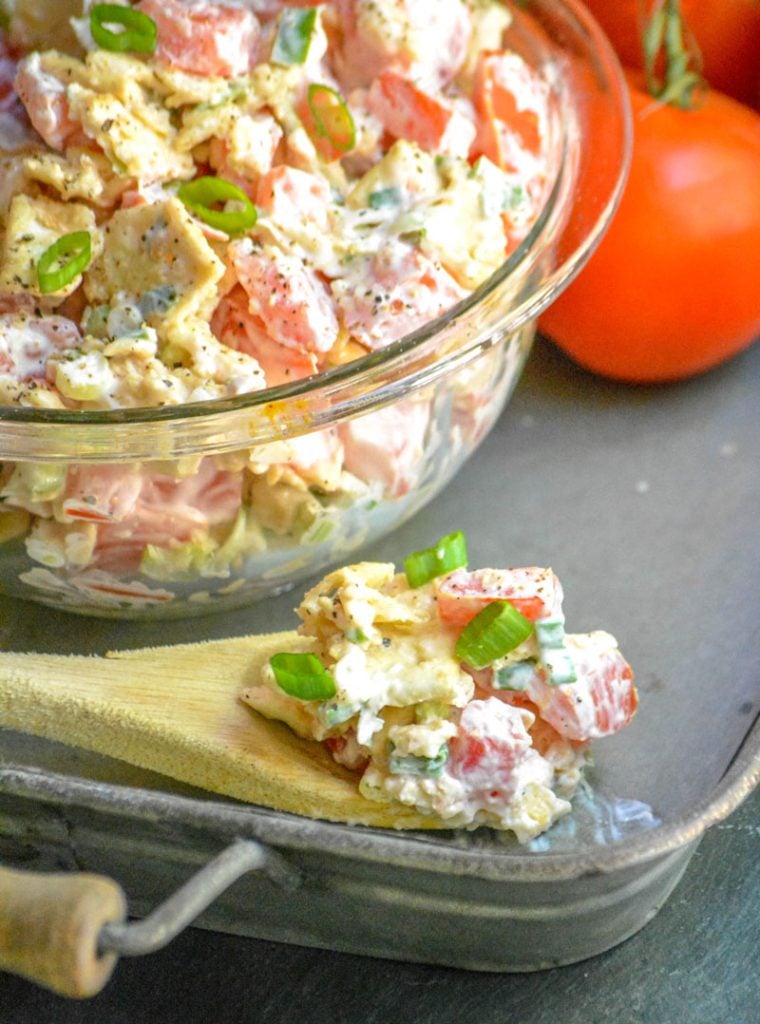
pixel 356 387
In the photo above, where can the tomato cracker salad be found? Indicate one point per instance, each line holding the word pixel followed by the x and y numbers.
pixel 203 200
pixel 214 198
pixel 455 693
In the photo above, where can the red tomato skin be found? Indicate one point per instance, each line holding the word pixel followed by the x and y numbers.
pixel 673 288
pixel 726 33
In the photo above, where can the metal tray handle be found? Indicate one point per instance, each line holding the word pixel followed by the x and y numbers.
pixel 66 931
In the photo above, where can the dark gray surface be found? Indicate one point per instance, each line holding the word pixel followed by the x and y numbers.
pixel 647 486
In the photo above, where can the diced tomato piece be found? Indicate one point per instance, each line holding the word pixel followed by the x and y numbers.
pixel 507 89
pixel 603 699
pixel 544 737
pixel 44 98
pixel 408 112
pixel 121 545
pixel 319 453
pixel 89 582
pixel 387 445
pixel 27 342
pixel 203 38
pixel 535 593
pixel 510 101
pixel 347 751
pixel 168 509
pixel 209 495
pixel 293 196
pixel 403 290
pixel 427 40
pixel 293 302
pixel 101 493
pixel 235 326
pixel 491 741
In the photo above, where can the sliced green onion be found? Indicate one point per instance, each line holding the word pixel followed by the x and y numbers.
pixel 390 196
pixel 410 764
pixel 332 118
pixel 448 554
pixel 515 676
pixel 61 262
pixel 295 31
pixel 355 635
pixel 200 195
pixel 555 657
pixel 96 321
pixel 303 676
pixel 494 632
pixel 138 34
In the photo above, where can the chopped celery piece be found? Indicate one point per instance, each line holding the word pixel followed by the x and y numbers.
pixel 331 714
pixel 550 633
pixel 410 764
pixel 390 196
pixel 559 667
pixel 515 676
pixel 157 300
pixel 96 321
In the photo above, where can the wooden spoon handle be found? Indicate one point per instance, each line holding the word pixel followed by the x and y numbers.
pixel 49 928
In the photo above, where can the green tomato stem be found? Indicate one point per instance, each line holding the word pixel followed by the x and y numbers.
pixel 664 34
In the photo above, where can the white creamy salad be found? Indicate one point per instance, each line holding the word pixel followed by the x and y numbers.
pixel 457 693
pixel 200 200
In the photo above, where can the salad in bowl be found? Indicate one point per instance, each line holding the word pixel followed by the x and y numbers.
pixel 268 273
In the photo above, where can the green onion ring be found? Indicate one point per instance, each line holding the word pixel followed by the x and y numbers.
pixel 62 261
pixel 302 676
pixel 494 632
pixel 448 554
pixel 139 33
pixel 332 118
pixel 199 195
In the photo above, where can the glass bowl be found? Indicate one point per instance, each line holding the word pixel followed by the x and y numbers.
pixel 403 419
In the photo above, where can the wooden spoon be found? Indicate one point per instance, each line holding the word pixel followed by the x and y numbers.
pixel 177 710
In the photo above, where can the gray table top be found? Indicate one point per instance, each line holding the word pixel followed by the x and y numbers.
pixel 695 963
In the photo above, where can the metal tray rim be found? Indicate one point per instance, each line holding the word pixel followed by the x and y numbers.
pixel 424 850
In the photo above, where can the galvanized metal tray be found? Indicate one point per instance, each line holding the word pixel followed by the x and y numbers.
pixel 644 502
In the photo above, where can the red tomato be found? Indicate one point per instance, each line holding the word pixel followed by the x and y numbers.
pixel 727 34
pixel 674 286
